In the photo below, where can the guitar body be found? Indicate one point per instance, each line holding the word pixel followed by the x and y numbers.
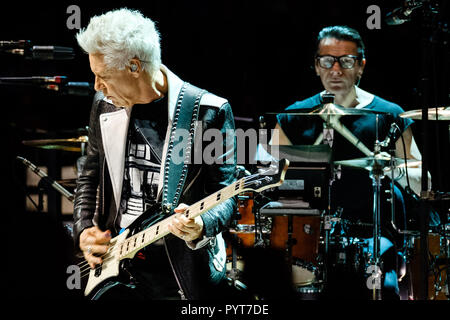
pixel 114 265
pixel 110 268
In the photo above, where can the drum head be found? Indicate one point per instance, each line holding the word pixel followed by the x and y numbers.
pixel 303 273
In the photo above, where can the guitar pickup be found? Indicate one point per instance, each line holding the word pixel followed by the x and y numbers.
pixel 98 271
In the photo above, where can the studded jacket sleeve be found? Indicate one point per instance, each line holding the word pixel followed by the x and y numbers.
pixel 221 172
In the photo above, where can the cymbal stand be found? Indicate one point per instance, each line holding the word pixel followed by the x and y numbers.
pixel 376 174
pixel 327 137
pixel 329 221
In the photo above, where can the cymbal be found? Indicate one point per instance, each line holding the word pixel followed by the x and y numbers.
pixel 331 110
pixel 442 113
pixel 320 153
pixel 382 159
pixel 72 144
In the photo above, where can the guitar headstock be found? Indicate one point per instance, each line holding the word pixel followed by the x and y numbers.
pixel 267 177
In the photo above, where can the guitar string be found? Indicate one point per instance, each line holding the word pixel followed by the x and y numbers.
pixel 129 240
pixel 245 184
pixel 109 255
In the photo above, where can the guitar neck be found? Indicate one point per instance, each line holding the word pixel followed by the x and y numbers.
pixel 147 236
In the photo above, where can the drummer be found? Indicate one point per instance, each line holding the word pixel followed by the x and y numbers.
pixel 340 63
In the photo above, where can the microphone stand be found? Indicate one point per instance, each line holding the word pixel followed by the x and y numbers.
pixel 47 179
pixel 428 44
pixel 41 191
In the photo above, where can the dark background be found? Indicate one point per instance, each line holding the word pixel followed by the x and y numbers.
pixel 257 54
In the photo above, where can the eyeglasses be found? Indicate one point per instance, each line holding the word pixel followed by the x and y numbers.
pixel 346 62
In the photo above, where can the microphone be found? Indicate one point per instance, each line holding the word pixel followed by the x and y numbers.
pixel 390 136
pixel 53 83
pixel 401 15
pixel 46 178
pixel 29 51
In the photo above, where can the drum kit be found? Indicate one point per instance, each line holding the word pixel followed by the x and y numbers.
pixel 304 230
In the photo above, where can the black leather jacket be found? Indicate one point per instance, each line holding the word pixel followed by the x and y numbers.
pixel 195 270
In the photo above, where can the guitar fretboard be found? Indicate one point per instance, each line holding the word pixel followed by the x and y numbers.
pixel 145 237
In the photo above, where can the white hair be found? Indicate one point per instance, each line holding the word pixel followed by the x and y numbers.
pixel 121 35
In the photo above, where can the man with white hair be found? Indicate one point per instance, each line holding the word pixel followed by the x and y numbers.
pixel 130 166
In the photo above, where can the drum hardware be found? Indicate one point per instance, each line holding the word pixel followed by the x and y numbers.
pixel 327 135
pixel 376 174
pixel 375 163
pixel 375 166
pixel 262 224
pixel 331 220
pixel 290 241
pixel 248 230
pixel 331 114
pixel 350 253
pixel 234 271
pixel 438 262
pixel 330 110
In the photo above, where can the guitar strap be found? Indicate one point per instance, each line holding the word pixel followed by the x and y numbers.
pixel 180 145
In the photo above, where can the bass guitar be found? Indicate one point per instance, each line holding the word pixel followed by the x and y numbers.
pixel 153 224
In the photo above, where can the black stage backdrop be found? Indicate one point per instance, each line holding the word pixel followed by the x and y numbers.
pixel 257 54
